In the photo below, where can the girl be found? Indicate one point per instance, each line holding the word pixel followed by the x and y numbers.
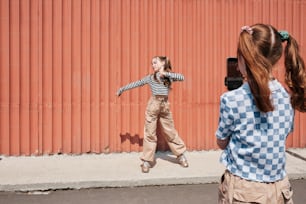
pixel 256 118
pixel 158 110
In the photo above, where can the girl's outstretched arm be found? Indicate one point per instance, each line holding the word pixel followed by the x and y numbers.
pixel 133 85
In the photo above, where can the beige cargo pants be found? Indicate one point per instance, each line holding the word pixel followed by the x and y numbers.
pixel 234 189
pixel 158 109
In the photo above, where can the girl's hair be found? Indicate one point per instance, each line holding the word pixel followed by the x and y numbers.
pixel 261 47
pixel 167 68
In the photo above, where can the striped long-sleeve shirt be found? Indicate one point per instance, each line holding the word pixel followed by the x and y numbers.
pixel 157 86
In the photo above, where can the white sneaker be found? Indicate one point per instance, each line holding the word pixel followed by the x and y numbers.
pixel 145 167
pixel 182 160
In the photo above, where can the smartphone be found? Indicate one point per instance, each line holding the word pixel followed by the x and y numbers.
pixel 233 79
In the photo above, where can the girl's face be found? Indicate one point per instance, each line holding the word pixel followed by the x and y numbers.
pixel 157 64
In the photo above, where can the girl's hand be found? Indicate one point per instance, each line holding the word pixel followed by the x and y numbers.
pixel 119 92
pixel 222 143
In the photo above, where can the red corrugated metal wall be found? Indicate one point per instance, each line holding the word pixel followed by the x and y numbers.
pixel 61 62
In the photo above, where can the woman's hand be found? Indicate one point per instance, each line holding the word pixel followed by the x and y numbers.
pixel 222 143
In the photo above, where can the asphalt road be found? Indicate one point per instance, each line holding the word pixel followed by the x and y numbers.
pixel 179 194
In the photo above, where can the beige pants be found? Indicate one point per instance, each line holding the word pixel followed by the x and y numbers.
pixel 234 189
pixel 158 109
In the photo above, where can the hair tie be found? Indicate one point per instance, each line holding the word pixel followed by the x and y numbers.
pixel 284 35
pixel 247 29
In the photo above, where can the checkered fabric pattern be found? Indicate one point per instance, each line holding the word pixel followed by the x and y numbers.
pixel 256 150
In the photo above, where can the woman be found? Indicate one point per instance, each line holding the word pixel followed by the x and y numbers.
pixel 256 118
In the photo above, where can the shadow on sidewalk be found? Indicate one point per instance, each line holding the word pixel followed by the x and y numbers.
pixel 165 156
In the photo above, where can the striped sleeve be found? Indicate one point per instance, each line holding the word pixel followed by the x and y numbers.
pixel 135 84
pixel 175 76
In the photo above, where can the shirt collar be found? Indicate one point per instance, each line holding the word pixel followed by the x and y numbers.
pixel 274 85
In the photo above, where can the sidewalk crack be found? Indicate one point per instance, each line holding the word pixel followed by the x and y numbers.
pixel 296 155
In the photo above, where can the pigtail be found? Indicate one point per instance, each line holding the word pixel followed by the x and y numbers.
pixel 257 68
pixel 295 75
pixel 155 77
pixel 168 68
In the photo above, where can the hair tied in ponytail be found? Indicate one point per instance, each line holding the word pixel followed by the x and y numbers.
pixel 247 29
pixel 284 35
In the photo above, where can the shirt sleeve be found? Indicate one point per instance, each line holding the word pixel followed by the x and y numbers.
pixel 134 84
pixel 226 120
pixel 175 76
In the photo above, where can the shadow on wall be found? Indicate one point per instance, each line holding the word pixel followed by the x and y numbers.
pixel 135 139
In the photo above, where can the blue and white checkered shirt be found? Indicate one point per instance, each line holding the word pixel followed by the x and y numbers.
pixel 256 149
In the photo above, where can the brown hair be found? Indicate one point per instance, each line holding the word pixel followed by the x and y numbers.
pixel 261 49
pixel 167 68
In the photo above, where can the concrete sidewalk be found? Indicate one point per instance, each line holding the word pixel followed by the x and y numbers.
pixel 119 170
